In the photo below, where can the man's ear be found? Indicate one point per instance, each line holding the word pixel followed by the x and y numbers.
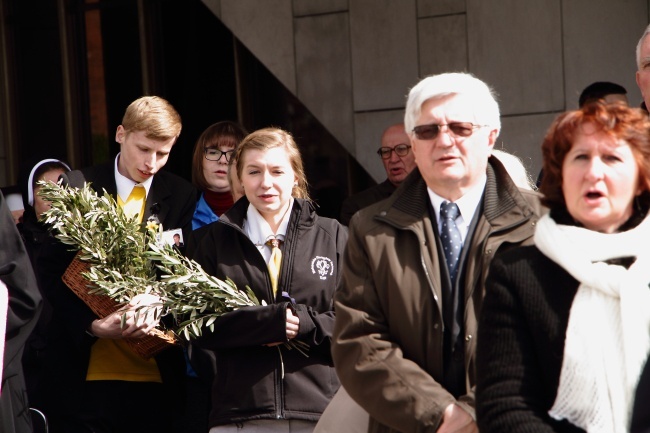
pixel 412 143
pixel 492 138
pixel 120 134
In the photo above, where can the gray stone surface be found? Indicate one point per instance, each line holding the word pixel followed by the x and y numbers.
pixel 516 47
pixel 314 7
pixel 523 136
pixel 536 55
pixel 368 130
pixel 600 40
pixel 214 6
pixel 324 80
pixel 266 29
pixel 442 44
pixel 428 8
pixel 384 52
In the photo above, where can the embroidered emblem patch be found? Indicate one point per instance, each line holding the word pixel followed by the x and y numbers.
pixel 323 266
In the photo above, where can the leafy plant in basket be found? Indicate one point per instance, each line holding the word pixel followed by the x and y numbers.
pixel 126 259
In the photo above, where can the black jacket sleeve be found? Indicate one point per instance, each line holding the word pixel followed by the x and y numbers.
pixel 248 326
pixel 25 301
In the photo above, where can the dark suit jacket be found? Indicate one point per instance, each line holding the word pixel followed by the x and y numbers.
pixel 68 354
pixel 365 198
pixel 24 307
pixel 171 197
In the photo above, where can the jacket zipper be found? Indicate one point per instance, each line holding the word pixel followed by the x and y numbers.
pixel 424 265
pixel 269 290
pixel 279 414
pixel 286 259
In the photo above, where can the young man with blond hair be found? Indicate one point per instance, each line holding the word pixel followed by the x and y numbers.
pixel 107 386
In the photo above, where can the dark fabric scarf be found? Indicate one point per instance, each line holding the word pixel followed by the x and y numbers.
pixel 219 202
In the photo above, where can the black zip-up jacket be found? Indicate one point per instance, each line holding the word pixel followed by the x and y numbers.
pixel 255 381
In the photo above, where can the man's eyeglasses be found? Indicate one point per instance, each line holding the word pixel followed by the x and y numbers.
pixel 214 154
pixel 400 150
pixel 458 129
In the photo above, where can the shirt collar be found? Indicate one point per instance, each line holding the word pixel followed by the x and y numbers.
pixel 467 205
pixel 259 231
pixel 125 185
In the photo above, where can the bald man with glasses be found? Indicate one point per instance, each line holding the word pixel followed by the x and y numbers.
pixel 415 264
pixel 395 153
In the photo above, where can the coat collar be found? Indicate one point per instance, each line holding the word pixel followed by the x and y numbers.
pixel 159 199
pixel 503 202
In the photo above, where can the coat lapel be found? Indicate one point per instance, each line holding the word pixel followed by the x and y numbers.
pixel 410 211
pixel 158 201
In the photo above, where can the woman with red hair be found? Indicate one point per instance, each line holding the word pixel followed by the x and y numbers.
pixel 565 327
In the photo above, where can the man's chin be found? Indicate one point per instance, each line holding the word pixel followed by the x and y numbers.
pixel 398 176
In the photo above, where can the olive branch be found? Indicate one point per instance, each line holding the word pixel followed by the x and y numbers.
pixel 127 259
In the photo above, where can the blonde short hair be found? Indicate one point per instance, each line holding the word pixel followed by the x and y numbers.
pixel 153 115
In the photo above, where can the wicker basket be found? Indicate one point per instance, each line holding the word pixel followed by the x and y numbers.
pixel 102 306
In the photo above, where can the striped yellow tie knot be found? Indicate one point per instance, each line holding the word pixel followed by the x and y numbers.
pixel 274 262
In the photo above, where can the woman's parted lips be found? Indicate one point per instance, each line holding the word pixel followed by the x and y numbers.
pixel 594 193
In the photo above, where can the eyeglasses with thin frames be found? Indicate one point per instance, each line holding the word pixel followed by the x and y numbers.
pixel 400 150
pixel 457 129
pixel 214 154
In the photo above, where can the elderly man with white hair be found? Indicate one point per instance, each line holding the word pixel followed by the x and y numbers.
pixel 415 264
pixel 643 66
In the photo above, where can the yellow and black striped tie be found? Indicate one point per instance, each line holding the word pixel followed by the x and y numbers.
pixel 274 263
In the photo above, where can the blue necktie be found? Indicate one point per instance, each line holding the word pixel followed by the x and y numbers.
pixel 452 243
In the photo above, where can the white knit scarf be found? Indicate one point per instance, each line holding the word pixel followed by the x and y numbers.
pixel 608 334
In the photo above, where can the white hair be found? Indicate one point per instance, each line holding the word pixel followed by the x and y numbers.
pixel 515 169
pixel 486 109
pixel 638 47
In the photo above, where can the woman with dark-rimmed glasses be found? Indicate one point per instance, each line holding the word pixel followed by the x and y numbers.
pixel 211 161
